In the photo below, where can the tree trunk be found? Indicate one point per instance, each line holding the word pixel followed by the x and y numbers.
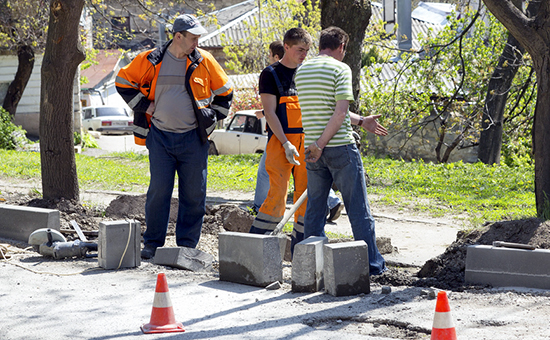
pixel 533 33
pixel 541 136
pixel 490 141
pixel 62 56
pixel 25 56
pixel 353 17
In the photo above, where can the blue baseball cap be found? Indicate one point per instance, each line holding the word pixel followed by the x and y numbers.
pixel 189 23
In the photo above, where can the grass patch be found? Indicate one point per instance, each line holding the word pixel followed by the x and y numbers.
pixel 482 192
pixel 477 191
pixel 233 172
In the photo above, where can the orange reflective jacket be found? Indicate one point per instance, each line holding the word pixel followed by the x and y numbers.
pixel 205 80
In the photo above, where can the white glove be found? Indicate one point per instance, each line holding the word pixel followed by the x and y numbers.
pixel 290 151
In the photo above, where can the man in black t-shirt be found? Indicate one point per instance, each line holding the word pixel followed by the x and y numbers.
pixel 285 147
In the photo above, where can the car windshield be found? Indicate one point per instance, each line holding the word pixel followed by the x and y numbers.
pixel 110 111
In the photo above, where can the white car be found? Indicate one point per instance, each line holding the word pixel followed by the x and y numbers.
pixel 107 119
pixel 245 133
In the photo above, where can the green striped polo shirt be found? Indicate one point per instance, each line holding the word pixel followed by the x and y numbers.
pixel 321 82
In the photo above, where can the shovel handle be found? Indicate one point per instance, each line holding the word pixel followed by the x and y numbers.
pixel 289 213
pixel 513 245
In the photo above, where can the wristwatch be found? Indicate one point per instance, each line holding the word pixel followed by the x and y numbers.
pixel 361 120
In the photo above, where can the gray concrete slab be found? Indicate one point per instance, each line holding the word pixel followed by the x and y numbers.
pixel 184 258
pixel 346 268
pixel 505 267
pixel 18 222
pixel 119 244
pixel 250 259
pixel 307 265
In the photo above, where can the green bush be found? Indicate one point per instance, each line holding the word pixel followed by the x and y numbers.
pixel 77 138
pixel 10 134
pixel 88 141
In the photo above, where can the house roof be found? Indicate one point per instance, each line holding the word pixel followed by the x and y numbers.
pixel 235 19
pixel 228 14
pixel 234 27
pixel 103 71
pixel 423 20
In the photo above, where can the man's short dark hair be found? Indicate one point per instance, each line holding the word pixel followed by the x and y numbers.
pixel 297 35
pixel 332 37
pixel 277 49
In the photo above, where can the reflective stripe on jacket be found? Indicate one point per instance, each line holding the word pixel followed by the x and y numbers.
pixel 205 81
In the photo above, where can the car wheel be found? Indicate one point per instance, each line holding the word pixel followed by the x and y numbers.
pixel 212 149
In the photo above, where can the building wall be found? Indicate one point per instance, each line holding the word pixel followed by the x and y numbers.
pixel 27 114
pixel 400 145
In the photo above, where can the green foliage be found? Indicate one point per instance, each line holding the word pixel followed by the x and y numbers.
pixel 88 141
pixel 274 19
pixel 23 23
pixel 517 152
pixel 77 138
pixel 370 57
pixel 11 135
pixel 447 83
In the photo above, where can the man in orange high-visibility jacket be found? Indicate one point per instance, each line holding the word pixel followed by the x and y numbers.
pixel 178 92
pixel 286 136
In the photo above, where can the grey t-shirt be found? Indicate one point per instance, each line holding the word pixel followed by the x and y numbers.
pixel 173 106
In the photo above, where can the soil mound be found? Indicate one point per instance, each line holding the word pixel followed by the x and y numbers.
pixel 447 271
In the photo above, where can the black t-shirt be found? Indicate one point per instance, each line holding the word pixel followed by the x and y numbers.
pixel 267 82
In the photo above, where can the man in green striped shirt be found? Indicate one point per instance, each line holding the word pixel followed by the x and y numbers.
pixel 324 90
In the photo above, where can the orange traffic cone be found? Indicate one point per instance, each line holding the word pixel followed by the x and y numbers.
pixel 162 316
pixel 443 328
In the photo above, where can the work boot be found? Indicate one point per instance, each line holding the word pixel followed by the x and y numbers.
pixel 335 212
pixel 148 252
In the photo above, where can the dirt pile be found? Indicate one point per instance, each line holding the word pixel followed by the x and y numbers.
pixel 445 271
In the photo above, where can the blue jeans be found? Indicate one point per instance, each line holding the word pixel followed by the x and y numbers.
pixel 262 188
pixel 262 184
pixel 343 165
pixel 186 155
pixel 332 199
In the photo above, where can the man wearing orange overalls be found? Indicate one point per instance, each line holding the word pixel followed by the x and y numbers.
pixel 285 147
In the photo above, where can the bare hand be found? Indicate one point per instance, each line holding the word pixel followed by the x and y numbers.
pixel 312 153
pixel 371 125
pixel 259 114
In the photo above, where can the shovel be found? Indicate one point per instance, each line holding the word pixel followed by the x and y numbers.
pixel 289 213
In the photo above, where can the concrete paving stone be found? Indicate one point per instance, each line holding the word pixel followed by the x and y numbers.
pixel 184 258
pixel 119 244
pixel 250 259
pixel 307 265
pixel 18 222
pixel 508 267
pixel 346 268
